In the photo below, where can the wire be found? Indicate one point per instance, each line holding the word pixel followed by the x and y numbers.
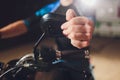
pixel 9 70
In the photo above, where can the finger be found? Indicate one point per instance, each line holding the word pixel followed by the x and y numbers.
pixel 70 14
pixel 80 36
pixel 79 21
pixel 67 31
pixel 78 29
pixel 79 44
pixel 66 2
pixel 64 26
pixel 91 23
pixel 75 29
pixel 88 28
pixel 82 28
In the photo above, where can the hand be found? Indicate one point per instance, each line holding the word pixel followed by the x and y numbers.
pixel 78 29
pixel 66 2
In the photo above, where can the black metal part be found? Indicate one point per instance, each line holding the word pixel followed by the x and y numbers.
pixel 48 54
pixel 51 23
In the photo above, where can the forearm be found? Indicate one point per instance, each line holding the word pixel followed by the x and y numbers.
pixel 29 24
pixel 14 29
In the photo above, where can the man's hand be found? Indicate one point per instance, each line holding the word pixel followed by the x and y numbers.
pixel 78 29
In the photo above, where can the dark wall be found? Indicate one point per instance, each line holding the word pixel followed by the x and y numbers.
pixel 12 10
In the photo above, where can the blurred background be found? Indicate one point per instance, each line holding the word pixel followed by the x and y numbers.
pixel 105 45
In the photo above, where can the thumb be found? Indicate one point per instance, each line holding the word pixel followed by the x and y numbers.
pixel 70 14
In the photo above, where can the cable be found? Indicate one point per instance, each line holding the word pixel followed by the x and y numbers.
pixel 9 70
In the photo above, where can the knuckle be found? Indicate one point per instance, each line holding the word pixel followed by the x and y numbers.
pixel 83 44
pixel 72 21
pixel 91 22
pixel 85 19
pixel 72 35
pixel 88 35
pixel 88 28
pixel 79 45
pixel 75 36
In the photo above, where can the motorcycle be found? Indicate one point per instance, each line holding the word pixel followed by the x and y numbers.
pixel 45 60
